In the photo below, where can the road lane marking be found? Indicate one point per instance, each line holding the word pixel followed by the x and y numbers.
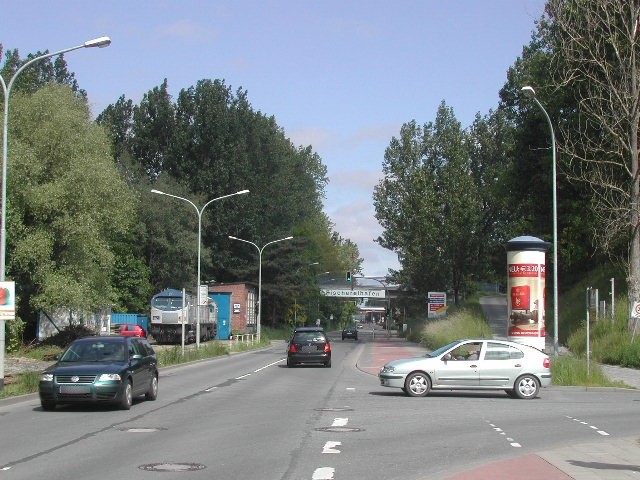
pixel 500 431
pixel 323 473
pixel 329 447
pixel 243 376
pixel 269 365
pixel 340 422
pixel 592 427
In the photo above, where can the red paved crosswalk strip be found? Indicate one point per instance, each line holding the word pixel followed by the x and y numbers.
pixel 528 467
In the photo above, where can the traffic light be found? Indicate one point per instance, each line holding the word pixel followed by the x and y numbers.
pixel 348 276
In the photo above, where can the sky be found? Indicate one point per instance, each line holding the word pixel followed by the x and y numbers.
pixel 340 75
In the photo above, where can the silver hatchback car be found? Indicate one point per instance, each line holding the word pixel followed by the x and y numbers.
pixel 472 364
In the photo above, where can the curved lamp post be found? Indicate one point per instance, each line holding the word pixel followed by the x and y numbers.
pixel 98 42
pixel 260 250
pixel 531 93
pixel 6 89
pixel 199 212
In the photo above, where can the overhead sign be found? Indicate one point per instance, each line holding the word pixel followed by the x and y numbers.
pixel 7 300
pixel 353 293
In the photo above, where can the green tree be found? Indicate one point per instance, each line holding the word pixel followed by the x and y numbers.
pixel 597 51
pixel 429 206
pixel 207 144
pixel 68 207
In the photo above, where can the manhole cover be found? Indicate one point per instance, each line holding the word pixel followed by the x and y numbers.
pixel 172 467
pixel 339 429
pixel 334 409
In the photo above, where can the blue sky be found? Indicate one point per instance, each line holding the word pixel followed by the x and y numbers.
pixel 342 76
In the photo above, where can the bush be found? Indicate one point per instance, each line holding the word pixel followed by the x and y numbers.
pixel 610 341
pixel 466 322
pixel 572 371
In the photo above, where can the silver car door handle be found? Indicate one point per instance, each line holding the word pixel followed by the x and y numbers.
pixel 517 365
pixel 473 366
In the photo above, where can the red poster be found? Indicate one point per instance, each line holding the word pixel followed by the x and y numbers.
pixel 521 297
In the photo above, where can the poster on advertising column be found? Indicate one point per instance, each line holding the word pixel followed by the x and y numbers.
pixel 526 292
pixel 7 301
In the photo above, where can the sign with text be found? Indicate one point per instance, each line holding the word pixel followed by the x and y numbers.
pixel 7 300
pixel 352 293
pixel 437 304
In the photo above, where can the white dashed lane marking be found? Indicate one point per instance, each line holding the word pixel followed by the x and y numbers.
pixel 330 447
pixel 340 422
pixel 592 427
pixel 499 431
pixel 323 473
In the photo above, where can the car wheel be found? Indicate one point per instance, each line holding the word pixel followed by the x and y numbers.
pixel 290 364
pixel 417 385
pixel 152 393
pixel 328 364
pixel 48 406
pixel 127 398
pixel 526 387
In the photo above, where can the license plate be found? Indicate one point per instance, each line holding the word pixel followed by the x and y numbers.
pixel 74 389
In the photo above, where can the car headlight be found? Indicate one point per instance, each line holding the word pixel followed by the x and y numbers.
pixel 46 377
pixel 387 369
pixel 106 377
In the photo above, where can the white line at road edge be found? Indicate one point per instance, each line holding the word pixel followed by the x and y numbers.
pixel 270 365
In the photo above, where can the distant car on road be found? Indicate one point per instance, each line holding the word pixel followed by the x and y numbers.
pixel 350 332
pixel 472 364
pixel 110 369
pixel 132 331
pixel 309 345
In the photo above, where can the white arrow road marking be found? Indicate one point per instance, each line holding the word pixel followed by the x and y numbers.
pixel 329 447
pixel 323 473
pixel 339 422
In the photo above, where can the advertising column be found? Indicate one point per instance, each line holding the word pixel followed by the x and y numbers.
pixel 526 290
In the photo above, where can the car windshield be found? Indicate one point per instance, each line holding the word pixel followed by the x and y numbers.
pixel 441 350
pixel 98 351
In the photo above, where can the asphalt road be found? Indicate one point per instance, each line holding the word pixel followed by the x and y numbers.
pixel 247 416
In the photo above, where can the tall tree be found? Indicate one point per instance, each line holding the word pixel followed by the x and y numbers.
pixel 207 144
pixel 429 206
pixel 68 207
pixel 597 47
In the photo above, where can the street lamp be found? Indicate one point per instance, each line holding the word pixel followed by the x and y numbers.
pixel 6 89
pixel 199 212
pixel 531 93
pixel 260 250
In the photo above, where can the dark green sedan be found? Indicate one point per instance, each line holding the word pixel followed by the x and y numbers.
pixel 109 369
